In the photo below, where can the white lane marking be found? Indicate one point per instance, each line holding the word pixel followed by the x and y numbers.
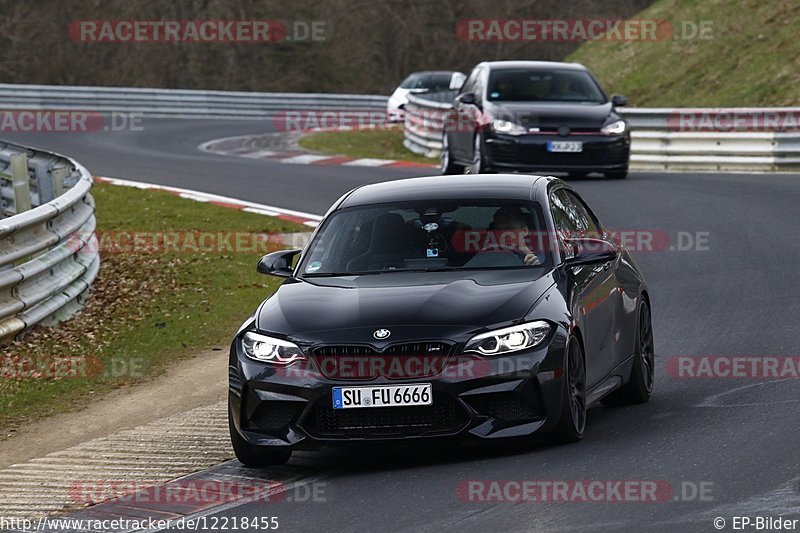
pixel 311 219
pixel 194 197
pixel 367 162
pixel 258 211
pixel 711 401
pixel 258 154
pixel 208 145
pixel 304 159
pixel 267 212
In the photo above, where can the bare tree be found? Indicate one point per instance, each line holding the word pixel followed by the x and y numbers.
pixel 369 46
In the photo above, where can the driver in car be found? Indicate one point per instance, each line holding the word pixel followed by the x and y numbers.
pixel 561 88
pixel 512 222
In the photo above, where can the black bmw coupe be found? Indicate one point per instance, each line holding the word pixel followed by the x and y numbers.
pixel 431 308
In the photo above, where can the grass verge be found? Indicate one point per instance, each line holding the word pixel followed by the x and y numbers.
pixel 373 143
pixel 747 55
pixel 146 309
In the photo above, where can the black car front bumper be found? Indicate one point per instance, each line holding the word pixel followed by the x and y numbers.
pixel 529 153
pixel 291 407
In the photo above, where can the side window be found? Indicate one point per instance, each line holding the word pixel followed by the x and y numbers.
pixel 572 218
pixel 564 221
pixel 587 219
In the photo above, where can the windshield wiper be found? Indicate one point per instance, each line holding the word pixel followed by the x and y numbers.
pixel 339 274
pixel 394 270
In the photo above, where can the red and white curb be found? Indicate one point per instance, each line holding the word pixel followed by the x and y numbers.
pixel 301 158
pixel 299 217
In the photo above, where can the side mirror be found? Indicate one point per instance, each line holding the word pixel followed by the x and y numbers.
pixel 618 100
pixel 277 263
pixel 467 98
pixel 586 250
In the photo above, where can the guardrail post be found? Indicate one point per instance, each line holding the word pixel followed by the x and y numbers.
pixel 44 184
pixel 59 175
pixel 21 183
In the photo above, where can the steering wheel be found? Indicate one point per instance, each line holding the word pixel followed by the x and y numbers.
pixel 510 249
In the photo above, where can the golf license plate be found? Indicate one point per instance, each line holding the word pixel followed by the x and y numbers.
pixel 564 146
pixel 382 396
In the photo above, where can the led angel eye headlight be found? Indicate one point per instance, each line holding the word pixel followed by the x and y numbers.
pixel 270 350
pixel 511 339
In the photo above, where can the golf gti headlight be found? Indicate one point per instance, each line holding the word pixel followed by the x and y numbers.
pixel 509 128
pixel 270 350
pixel 511 339
pixel 615 128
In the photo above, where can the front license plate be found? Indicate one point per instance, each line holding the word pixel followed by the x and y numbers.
pixel 382 396
pixel 564 146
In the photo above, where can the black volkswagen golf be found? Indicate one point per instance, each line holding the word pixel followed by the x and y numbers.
pixel 492 307
pixel 535 116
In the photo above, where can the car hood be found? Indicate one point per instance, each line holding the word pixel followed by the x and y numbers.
pixel 553 115
pixel 411 305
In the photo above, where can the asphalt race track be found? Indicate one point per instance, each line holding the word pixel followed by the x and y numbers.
pixel 734 295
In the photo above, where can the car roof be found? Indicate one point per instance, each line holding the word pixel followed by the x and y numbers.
pixel 469 186
pixel 429 72
pixel 533 65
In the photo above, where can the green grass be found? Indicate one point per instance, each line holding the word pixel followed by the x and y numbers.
pixel 374 143
pixel 752 59
pixel 146 309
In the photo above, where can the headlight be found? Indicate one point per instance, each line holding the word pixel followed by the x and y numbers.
pixel 615 128
pixel 510 339
pixel 270 350
pixel 509 128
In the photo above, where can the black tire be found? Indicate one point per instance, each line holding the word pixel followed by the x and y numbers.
pixel 640 386
pixel 446 164
pixel 616 175
pixel 572 421
pixel 478 165
pixel 253 456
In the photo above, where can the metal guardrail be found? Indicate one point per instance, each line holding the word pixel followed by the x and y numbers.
pixel 424 124
pixel 48 249
pixel 177 103
pixel 655 143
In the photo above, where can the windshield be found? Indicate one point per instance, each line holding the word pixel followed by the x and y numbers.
pixel 428 236
pixel 526 85
pixel 434 82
